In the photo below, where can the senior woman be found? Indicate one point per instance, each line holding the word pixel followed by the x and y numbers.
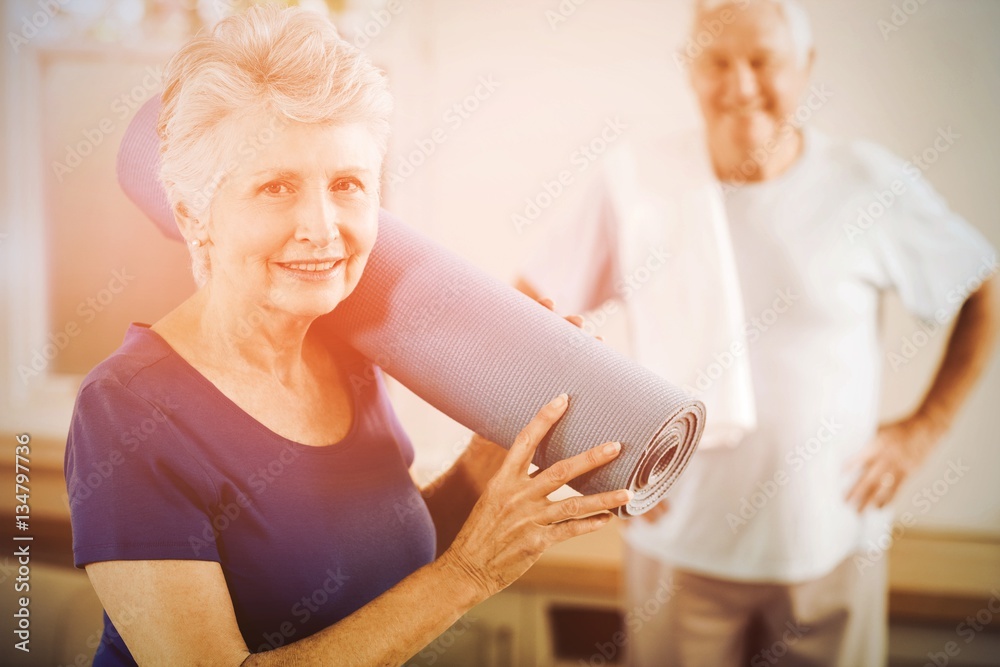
pixel 249 510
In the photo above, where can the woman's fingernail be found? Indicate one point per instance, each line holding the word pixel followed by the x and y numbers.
pixel 625 496
pixel 560 400
pixel 612 448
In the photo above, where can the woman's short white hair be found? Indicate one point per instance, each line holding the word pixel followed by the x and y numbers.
pixel 278 65
pixel 795 15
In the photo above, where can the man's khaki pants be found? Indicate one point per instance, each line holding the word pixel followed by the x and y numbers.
pixel 837 620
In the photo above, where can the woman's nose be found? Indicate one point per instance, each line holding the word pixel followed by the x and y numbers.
pixel 318 218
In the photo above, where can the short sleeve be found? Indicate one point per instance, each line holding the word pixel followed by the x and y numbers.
pixel 135 490
pixel 929 254
pixel 576 262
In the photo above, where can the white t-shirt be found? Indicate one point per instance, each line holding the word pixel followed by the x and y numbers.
pixel 649 225
pixel 814 249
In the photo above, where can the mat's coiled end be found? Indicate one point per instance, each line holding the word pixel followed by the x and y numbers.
pixel 664 460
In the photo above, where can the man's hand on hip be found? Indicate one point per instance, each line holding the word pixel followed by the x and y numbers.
pixel 893 454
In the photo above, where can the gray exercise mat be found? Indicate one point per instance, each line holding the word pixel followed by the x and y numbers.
pixel 481 352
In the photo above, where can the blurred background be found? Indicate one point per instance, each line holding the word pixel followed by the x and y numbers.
pixel 493 101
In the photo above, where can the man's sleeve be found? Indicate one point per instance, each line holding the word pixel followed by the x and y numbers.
pixel 576 263
pixel 929 254
pixel 135 490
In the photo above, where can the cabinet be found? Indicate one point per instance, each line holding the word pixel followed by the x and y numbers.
pixel 516 629
pixel 496 633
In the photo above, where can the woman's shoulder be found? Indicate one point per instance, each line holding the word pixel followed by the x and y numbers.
pixel 141 362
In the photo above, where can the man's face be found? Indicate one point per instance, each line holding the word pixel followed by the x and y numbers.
pixel 747 80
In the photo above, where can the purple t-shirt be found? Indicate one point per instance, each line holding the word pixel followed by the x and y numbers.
pixel 161 465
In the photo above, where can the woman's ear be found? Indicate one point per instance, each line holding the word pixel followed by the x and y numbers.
pixel 191 229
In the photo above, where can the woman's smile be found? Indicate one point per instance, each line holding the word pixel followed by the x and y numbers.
pixel 313 270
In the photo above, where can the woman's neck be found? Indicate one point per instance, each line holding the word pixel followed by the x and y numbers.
pixel 231 333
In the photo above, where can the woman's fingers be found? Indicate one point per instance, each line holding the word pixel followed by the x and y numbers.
pixel 526 442
pixel 580 506
pixel 564 530
pixel 563 472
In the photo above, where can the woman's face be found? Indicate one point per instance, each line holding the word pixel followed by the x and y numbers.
pixel 293 224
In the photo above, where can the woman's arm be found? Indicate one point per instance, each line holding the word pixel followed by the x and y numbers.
pixel 179 612
pixel 451 497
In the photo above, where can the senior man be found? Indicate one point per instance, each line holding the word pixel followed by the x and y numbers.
pixel 764 534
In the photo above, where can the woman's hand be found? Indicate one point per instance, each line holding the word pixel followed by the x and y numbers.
pixel 514 522
pixel 895 452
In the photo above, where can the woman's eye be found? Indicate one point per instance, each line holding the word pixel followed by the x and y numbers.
pixel 348 185
pixel 276 188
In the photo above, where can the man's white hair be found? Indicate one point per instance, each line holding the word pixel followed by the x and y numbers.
pixel 795 15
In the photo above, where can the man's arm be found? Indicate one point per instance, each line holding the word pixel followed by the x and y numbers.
pixel 899 447
pixel 969 350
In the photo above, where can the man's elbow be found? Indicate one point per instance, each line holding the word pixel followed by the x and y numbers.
pixel 984 307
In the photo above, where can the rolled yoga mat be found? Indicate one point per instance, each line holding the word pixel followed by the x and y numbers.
pixel 483 353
